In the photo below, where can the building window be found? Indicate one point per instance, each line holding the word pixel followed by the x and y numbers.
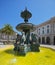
pixel 43 32
pixel 39 31
pixel 47 26
pixel 42 27
pixel 47 30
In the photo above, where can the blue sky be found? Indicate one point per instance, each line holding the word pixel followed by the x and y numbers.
pixel 42 10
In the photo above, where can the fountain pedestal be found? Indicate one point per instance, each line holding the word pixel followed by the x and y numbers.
pixel 26 44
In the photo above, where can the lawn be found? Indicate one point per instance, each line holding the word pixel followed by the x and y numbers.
pixel 44 57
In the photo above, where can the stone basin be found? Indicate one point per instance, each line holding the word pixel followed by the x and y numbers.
pixel 25 26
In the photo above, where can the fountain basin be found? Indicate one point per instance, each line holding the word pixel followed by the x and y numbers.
pixel 25 26
pixel 45 56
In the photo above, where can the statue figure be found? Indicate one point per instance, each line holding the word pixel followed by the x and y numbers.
pixel 34 45
pixel 28 38
pixel 15 46
pixel 23 39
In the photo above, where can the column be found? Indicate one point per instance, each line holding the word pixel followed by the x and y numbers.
pixel 51 39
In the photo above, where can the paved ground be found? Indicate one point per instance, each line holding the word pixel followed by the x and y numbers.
pixel 4 47
pixel 49 46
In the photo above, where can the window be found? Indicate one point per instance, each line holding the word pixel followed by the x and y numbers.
pixel 47 26
pixel 39 31
pixel 42 27
pixel 47 30
pixel 43 32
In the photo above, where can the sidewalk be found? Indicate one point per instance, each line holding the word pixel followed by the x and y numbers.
pixel 4 47
pixel 48 46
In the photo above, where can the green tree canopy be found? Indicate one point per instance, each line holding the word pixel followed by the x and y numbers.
pixel 7 30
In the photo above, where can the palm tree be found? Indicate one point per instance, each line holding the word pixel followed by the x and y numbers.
pixel 7 30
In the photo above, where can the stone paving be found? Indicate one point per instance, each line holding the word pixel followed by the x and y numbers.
pixel 49 46
pixel 2 46
pixel 42 45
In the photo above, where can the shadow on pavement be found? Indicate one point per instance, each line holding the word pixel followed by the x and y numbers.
pixel 11 51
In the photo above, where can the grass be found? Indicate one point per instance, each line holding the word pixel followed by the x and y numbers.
pixel 44 57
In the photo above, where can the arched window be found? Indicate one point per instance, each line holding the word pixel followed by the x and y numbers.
pixel 54 40
pixel 43 40
pixel 39 40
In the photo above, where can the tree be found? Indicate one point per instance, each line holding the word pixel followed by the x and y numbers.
pixel 7 30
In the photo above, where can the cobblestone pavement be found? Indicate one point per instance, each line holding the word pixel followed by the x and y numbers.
pixel 49 46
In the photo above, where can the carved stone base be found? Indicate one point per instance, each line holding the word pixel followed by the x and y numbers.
pixel 35 48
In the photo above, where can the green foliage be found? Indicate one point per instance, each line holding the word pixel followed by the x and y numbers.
pixel 7 29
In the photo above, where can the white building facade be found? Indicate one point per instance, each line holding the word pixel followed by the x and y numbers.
pixel 4 37
pixel 46 32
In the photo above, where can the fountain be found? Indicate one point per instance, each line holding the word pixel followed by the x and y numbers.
pixel 28 41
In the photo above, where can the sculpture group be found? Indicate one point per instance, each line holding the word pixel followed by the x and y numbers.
pixel 28 41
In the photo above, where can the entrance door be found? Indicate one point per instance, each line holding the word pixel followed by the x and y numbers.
pixel 39 40
pixel 48 40
pixel 43 40
pixel 54 40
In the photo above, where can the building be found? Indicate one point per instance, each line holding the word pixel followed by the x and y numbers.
pixel 4 37
pixel 12 38
pixel 46 32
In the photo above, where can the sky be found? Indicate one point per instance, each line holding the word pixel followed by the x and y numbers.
pixel 42 10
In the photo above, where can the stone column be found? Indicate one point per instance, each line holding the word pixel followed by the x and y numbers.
pixel 51 28
pixel 41 40
pixel 51 39
pixel 45 39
